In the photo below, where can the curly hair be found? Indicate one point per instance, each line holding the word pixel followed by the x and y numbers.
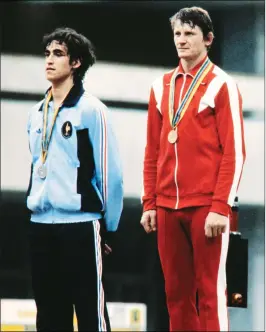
pixel 78 48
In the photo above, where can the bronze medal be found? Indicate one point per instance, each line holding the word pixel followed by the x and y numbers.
pixel 42 172
pixel 172 136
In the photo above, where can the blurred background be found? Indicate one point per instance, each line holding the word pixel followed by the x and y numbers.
pixel 134 45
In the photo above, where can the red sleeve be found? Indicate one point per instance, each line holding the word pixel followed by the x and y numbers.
pixel 229 121
pixel 154 125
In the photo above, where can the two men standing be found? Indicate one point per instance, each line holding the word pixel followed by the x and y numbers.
pixel 193 163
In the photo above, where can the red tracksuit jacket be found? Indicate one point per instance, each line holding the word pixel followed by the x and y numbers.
pixel 204 166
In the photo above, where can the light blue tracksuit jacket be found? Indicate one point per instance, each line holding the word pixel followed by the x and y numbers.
pixel 84 173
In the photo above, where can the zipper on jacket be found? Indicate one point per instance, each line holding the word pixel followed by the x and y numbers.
pixel 176 158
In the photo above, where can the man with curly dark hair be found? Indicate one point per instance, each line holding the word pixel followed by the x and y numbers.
pixel 75 193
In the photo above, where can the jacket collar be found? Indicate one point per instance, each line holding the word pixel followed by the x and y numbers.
pixel 192 71
pixel 72 97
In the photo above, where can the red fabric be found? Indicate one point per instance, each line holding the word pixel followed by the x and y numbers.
pixel 234 221
pixel 191 262
pixel 205 165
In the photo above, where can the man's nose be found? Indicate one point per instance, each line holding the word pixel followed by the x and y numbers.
pixel 49 58
pixel 182 39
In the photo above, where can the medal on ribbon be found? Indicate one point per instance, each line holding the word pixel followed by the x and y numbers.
pixel 172 136
pixel 175 119
pixel 42 170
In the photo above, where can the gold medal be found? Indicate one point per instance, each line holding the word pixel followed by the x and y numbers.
pixel 42 172
pixel 172 136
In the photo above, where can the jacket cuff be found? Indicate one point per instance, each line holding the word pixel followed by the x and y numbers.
pixel 149 205
pixel 221 208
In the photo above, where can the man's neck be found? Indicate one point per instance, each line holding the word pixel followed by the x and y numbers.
pixel 190 64
pixel 60 91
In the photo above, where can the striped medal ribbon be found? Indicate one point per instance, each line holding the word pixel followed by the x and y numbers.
pixel 42 171
pixel 175 119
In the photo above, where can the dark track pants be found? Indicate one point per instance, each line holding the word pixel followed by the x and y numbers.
pixel 66 264
pixel 193 263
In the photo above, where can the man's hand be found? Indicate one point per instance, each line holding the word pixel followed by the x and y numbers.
pixel 148 221
pixel 215 224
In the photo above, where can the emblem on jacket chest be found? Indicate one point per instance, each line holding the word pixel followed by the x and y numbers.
pixel 67 129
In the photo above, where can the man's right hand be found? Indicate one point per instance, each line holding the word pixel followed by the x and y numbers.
pixel 149 221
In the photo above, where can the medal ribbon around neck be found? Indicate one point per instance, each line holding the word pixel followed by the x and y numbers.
pixel 46 142
pixel 202 72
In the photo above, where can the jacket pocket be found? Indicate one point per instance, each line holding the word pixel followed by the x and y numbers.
pixel 66 202
pixel 36 201
pixel 63 184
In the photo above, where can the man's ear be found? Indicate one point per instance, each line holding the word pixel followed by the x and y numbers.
pixel 209 39
pixel 76 63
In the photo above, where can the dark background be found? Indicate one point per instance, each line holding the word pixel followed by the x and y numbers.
pixel 122 31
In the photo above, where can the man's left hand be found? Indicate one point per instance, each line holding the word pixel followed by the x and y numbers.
pixel 215 224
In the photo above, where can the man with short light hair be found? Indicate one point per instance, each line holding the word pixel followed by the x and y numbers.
pixel 193 163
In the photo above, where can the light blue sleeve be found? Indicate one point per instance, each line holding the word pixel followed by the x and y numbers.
pixel 108 166
pixel 28 127
pixel 29 119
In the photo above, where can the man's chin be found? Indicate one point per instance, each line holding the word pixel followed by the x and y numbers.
pixel 49 78
pixel 53 79
pixel 56 79
pixel 183 56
